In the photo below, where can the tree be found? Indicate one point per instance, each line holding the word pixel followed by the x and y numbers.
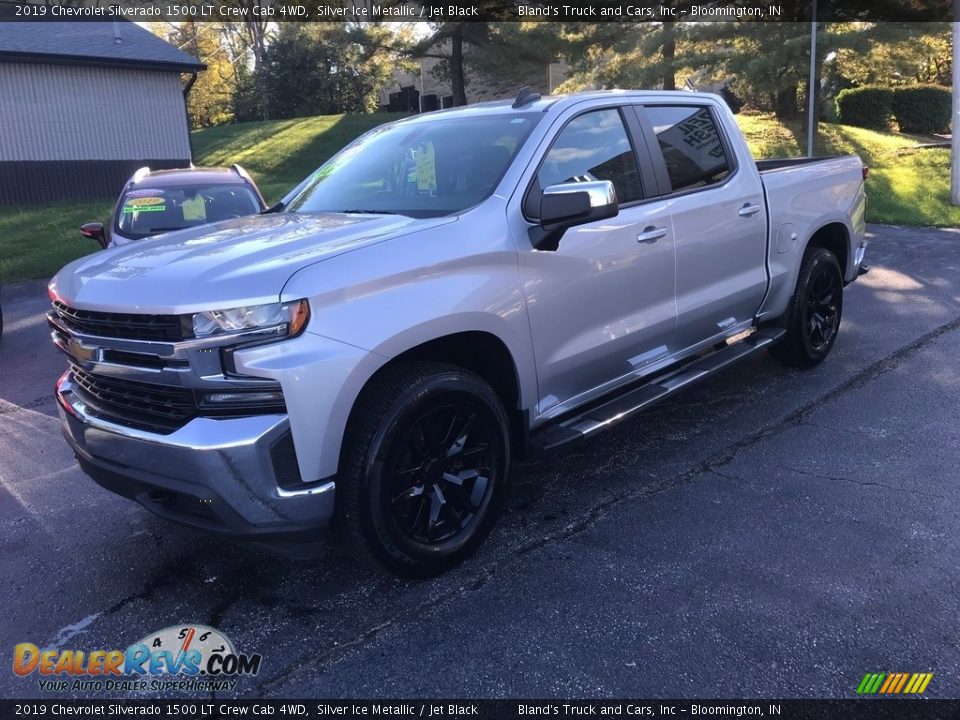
pixel 447 43
pixel 210 101
pixel 899 56
pixel 513 54
pixel 326 68
pixel 249 39
pixel 624 54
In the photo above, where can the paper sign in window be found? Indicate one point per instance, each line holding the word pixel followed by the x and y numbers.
pixel 426 166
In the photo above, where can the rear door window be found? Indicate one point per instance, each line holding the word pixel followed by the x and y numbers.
pixel 692 146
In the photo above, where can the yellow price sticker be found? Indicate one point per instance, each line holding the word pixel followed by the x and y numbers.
pixel 145 201
pixel 425 160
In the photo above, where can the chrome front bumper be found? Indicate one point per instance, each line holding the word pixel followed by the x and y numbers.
pixel 219 475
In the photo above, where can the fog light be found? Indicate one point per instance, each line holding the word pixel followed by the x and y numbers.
pixel 257 397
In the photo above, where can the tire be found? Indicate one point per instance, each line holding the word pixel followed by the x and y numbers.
pixel 814 314
pixel 425 469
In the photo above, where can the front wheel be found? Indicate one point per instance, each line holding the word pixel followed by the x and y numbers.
pixel 814 313
pixel 425 470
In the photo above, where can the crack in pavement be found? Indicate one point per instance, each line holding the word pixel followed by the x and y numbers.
pixel 711 465
pixel 864 483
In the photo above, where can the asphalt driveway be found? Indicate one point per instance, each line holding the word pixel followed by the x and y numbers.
pixel 767 533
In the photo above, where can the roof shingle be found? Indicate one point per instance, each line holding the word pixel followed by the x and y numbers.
pixel 91 43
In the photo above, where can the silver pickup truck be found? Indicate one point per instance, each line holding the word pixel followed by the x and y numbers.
pixel 449 292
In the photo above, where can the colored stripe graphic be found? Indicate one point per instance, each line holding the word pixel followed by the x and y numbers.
pixel 903 681
pixel 894 683
pixel 891 683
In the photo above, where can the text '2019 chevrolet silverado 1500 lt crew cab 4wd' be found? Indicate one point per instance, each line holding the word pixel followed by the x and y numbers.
pixel 445 293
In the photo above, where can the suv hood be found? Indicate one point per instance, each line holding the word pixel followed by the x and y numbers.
pixel 245 261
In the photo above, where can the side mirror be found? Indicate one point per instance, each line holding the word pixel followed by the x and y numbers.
pixel 569 204
pixel 94 231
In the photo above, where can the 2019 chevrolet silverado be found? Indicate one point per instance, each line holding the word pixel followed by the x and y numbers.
pixel 160 201
pixel 447 293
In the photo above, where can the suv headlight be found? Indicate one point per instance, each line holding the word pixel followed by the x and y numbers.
pixel 288 319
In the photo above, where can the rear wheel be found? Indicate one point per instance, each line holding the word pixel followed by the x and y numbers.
pixel 813 317
pixel 425 472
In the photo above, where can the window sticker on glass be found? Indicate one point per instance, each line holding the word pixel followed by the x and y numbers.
pixel 144 204
pixel 425 159
pixel 144 192
pixel 194 208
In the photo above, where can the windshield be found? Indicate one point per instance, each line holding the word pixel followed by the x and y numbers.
pixel 151 211
pixel 424 169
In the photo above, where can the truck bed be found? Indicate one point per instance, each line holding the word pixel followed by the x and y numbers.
pixel 774 164
pixel 803 194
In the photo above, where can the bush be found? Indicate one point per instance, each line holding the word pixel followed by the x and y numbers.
pixel 869 106
pixel 922 109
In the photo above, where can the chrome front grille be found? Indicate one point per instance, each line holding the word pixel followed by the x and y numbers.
pixel 158 408
pixel 158 328
pixel 139 371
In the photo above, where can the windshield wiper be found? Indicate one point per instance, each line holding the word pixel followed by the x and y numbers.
pixel 370 212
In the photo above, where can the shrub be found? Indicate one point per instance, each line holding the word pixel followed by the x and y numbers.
pixel 869 106
pixel 922 109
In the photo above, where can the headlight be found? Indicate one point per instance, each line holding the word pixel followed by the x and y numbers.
pixel 288 319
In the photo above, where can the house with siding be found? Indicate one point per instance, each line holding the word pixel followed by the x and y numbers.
pixel 84 104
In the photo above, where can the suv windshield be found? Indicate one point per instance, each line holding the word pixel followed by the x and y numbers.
pixel 151 211
pixel 424 169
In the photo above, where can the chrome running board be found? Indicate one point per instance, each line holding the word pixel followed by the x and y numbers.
pixel 612 410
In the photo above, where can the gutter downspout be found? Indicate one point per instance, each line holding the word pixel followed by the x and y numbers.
pixel 186 92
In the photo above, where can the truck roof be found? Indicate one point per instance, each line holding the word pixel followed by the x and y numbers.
pixel 545 102
pixel 188 176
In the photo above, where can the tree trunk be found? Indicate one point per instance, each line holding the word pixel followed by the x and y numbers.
pixel 257 30
pixel 258 73
pixel 668 54
pixel 457 81
pixel 786 108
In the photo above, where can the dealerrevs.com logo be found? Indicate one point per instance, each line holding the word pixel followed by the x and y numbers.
pixel 189 658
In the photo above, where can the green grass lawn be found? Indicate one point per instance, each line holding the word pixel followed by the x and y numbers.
pixel 279 154
pixel 907 186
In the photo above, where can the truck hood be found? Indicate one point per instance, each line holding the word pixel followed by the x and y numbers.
pixel 244 261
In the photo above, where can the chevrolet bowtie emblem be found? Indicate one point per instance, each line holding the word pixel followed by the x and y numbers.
pixel 81 351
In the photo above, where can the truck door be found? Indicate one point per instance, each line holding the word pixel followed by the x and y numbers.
pixel 719 220
pixel 601 305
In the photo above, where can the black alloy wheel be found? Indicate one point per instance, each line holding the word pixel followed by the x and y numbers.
pixel 813 316
pixel 822 312
pixel 439 473
pixel 425 472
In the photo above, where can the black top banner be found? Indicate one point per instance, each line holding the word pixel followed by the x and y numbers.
pixel 437 709
pixel 480 10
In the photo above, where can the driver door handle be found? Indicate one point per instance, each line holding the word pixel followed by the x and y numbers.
pixel 651 234
pixel 748 210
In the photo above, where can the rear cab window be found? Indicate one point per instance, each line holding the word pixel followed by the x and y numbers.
pixel 691 145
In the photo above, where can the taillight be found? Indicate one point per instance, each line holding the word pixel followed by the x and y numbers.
pixel 866 171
